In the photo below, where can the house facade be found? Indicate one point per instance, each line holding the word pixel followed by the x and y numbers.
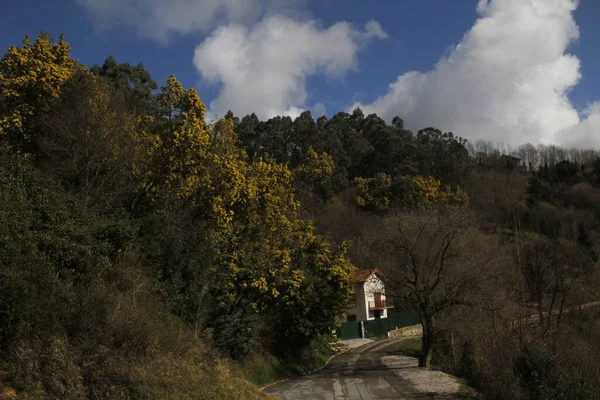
pixel 369 300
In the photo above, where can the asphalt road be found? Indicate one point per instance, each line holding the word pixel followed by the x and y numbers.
pixel 368 372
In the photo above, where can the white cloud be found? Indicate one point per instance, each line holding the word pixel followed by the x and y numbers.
pixel 508 80
pixel 319 109
pixel 264 69
pixel 373 29
pixel 159 19
pixel 587 132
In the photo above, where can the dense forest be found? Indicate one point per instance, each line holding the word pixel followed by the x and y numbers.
pixel 146 252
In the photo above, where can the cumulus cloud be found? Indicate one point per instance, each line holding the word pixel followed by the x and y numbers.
pixel 587 132
pixel 264 69
pixel 159 19
pixel 508 80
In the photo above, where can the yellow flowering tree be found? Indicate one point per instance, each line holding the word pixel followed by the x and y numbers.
pixel 374 194
pixel 428 193
pixel 262 257
pixel 267 257
pixel 30 76
pixel 314 174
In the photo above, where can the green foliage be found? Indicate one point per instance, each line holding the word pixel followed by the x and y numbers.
pixel 360 147
pixel 315 173
pixel 130 227
pixel 135 79
pixel 78 314
pixel 265 370
pixel 236 334
pixel 147 228
pixel 442 155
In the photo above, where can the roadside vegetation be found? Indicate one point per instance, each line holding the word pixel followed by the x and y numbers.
pixel 142 254
pixel 148 254
pixel 410 347
pixel 268 369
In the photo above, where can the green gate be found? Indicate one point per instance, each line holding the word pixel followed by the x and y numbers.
pixel 349 330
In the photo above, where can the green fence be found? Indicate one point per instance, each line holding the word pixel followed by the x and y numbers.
pixel 377 327
pixel 349 330
pixel 395 320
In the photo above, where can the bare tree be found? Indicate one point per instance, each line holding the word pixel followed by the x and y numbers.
pixel 442 261
pixel 529 156
pixel 550 270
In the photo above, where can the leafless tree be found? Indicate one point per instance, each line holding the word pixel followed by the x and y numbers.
pixel 442 261
pixel 551 269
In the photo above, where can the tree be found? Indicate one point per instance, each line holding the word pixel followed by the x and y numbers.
pixel 442 261
pixel 135 79
pixel 249 134
pixel 89 142
pixel 276 139
pixel 30 77
pixel 551 268
pixel 177 139
pixel 305 135
pixel 259 257
pixel 313 175
pixel 374 194
pixel 442 155
pixel 355 148
pixel 427 194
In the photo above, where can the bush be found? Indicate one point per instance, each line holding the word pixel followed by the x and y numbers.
pixel 79 316
pixel 235 334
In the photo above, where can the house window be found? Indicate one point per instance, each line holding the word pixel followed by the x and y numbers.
pixel 351 317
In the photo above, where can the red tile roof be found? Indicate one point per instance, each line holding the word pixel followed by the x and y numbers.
pixel 364 275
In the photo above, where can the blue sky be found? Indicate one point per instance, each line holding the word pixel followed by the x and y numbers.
pixel 418 33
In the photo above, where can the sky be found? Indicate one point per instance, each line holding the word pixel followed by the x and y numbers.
pixel 510 71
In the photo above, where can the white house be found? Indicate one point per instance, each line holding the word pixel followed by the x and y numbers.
pixel 369 296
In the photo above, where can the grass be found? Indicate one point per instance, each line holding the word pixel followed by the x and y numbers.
pixel 196 375
pixel 174 378
pixel 410 347
pixel 265 370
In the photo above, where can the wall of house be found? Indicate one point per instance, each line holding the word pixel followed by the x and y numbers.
pixel 363 293
pixel 372 286
pixel 357 306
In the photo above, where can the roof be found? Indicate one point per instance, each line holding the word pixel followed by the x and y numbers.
pixel 364 275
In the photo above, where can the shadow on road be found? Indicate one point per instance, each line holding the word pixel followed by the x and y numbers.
pixel 368 372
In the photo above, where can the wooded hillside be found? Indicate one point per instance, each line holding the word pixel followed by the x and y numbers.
pixel 143 248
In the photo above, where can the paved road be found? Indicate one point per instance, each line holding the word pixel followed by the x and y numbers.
pixel 367 373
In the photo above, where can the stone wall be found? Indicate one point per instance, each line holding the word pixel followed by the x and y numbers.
pixel 413 330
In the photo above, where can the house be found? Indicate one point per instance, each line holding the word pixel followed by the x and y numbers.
pixel 369 300
pixel 510 162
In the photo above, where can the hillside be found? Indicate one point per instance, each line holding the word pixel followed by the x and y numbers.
pixel 148 253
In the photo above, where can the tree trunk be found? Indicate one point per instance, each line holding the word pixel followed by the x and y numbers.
pixel 427 343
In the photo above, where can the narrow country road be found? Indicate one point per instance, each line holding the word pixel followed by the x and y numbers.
pixel 369 372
